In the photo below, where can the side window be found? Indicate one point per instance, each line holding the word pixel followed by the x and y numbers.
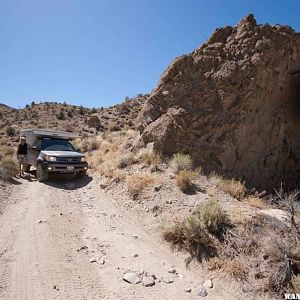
pixel 37 143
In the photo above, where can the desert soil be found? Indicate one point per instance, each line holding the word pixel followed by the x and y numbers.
pixel 66 239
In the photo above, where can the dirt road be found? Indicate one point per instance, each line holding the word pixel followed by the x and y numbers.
pixel 67 240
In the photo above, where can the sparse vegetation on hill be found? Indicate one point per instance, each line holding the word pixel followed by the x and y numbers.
pixel 62 116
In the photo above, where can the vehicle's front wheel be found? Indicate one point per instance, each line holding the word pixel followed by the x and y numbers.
pixel 80 174
pixel 41 174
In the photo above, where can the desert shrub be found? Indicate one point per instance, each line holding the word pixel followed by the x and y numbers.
pixel 6 150
pixel 64 103
pixel 181 161
pixel 70 114
pixel 137 183
pixel 81 110
pixel 94 110
pixel 213 217
pixel 8 167
pixel 32 103
pixel 148 157
pixel 94 144
pixel 94 121
pixel 234 188
pixel 199 234
pixel 185 178
pixel 125 160
pixel 10 131
pixel 61 115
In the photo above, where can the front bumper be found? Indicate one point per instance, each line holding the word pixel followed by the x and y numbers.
pixel 66 168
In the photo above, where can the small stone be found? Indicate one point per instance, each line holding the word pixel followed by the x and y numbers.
pixel 82 248
pixel 93 260
pixel 202 292
pixel 157 188
pixel 135 236
pixel 147 209
pixel 208 284
pixel 40 221
pixel 135 255
pixel 167 280
pixel 60 214
pixel 132 278
pixel 148 281
pixel 103 186
pixel 189 290
pixel 101 260
pixel 172 271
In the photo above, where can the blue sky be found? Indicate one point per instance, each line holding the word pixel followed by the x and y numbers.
pixel 97 52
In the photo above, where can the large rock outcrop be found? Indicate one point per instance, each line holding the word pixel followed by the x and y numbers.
pixel 233 104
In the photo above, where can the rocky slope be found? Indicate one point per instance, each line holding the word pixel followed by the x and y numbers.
pixel 233 104
pixel 58 116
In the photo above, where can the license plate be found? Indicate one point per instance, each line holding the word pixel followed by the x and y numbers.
pixel 70 168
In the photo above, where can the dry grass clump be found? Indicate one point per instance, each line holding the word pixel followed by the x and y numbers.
pixel 137 183
pixel 125 160
pixel 199 234
pixel 296 283
pixel 5 150
pixel 87 144
pixel 185 178
pixel 8 167
pixel 234 188
pixel 148 157
pixel 181 162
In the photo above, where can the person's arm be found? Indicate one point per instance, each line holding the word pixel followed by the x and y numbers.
pixel 18 150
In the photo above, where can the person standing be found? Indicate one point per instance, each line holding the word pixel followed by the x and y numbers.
pixel 22 155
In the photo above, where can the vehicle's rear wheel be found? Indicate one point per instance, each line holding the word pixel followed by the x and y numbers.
pixel 41 174
pixel 80 174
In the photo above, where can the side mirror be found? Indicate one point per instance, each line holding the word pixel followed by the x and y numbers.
pixel 78 150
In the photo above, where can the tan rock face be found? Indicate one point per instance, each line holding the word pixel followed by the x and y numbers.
pixel 234 104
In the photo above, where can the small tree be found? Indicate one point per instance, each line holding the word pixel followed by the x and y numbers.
pixel 81 110
pixel 70 114
pixel 32 103
pixel 65 103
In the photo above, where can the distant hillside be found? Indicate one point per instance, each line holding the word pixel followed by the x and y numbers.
pixel 58 116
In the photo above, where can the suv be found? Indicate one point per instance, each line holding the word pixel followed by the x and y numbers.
pixel 52 152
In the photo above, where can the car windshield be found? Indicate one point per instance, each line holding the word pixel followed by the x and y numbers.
pixel 57 145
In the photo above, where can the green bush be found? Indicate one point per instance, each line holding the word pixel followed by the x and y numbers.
pixel 10 131
pixel 181 161
pixel 199 234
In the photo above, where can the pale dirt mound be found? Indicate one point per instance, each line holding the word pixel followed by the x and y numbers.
pixel 233 104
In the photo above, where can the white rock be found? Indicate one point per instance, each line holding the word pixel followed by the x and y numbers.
pixel 202 292
pixel 93 260
pixel 132 278
pixel 148 281
pixel 189 290
pixel 172 271
pixel 208 284
pixel 135 236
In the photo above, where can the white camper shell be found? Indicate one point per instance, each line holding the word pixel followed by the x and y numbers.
pixel 32 134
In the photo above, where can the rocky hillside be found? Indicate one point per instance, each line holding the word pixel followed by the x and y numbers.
pixel 233 104
pixel 66 117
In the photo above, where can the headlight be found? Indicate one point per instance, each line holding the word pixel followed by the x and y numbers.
pixel 83 159
pixel 49 158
